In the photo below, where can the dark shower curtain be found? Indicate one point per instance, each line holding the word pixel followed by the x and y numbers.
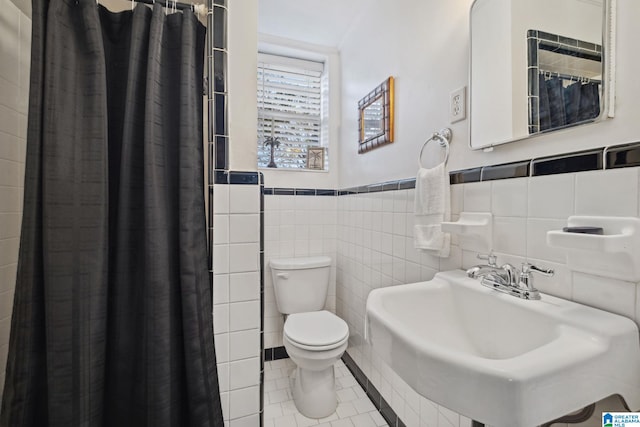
pixel 562 106
pixel 112 319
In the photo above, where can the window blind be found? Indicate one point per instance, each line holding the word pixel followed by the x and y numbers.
pixel 289 109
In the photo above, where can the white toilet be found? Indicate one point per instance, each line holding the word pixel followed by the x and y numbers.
pixel 314 338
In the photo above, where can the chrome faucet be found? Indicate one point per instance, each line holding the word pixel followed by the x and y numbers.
pixel 482 270
pixel 507 278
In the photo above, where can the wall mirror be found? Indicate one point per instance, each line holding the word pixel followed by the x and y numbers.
pixel 375 117
pixel 537 66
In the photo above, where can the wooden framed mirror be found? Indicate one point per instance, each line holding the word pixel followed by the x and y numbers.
pixel 375 117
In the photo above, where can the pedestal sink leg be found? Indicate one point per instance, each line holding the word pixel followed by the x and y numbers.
pixel 576 418
pixel 475 423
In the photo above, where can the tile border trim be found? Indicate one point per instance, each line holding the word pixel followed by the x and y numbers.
pixel 383 407
pixel 622 156
pixel 281 191
pixel 275 353
pixel 237 177
pixel 505 171
pixel 606 158
pixel 582 161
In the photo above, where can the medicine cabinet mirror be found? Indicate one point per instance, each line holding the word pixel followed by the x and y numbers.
pixel 537 66
pixel 375 117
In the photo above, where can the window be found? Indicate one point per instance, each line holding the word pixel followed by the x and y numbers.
pixel 290 113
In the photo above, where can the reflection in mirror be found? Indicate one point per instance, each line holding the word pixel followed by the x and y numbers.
pixel 521 46
pixel 565 81
pixel 375 117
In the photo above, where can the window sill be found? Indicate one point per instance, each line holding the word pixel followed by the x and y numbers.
pixel 292 170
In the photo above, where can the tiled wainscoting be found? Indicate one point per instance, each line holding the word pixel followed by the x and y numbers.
pixel 296 226
pixel 375 249
pixel 15 45
pixel 374 245
pixel 236 298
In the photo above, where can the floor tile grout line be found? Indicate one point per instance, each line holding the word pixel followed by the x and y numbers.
pixel 353 407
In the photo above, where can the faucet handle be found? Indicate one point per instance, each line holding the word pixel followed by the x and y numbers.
pixel 530 268
pixel 492 260
pixel 526 278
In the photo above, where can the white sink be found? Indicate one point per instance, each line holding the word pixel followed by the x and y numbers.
pixel 498 359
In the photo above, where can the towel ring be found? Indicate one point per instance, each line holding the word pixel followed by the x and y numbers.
pixel 442 138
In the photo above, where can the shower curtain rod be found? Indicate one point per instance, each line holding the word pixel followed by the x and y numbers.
pixel 568 76
pixel 198 8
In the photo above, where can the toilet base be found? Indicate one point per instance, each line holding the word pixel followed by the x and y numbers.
pixel 314 392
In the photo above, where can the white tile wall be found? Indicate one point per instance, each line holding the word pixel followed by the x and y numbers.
pixel 608 294
pixel 236 300
pixel 551 196
pixel 296 226
pixel 610 193
pixel 244 344
pixel 509 197
pixel 373 250
pixel 15 48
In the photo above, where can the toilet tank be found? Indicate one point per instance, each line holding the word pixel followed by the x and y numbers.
pixel 300 284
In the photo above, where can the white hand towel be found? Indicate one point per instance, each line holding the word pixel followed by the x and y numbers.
pixel 432 207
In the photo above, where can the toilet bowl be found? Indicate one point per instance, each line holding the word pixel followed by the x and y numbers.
pixel 314 338
pixel 315 341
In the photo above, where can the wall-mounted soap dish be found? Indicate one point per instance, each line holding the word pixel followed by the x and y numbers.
pixel 614 253
pixel 475 230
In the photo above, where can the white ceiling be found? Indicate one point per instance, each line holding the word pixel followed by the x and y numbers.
pixel 322 22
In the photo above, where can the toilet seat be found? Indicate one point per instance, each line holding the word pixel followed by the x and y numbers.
pixel 316 330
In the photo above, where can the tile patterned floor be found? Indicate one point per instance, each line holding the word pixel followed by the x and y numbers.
pixel 354 407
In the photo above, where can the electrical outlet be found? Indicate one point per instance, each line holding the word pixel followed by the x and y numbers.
pixel 458 105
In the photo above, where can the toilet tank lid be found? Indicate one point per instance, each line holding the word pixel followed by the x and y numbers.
pixel 300 263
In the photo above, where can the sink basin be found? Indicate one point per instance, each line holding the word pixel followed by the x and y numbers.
pixel 498 359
